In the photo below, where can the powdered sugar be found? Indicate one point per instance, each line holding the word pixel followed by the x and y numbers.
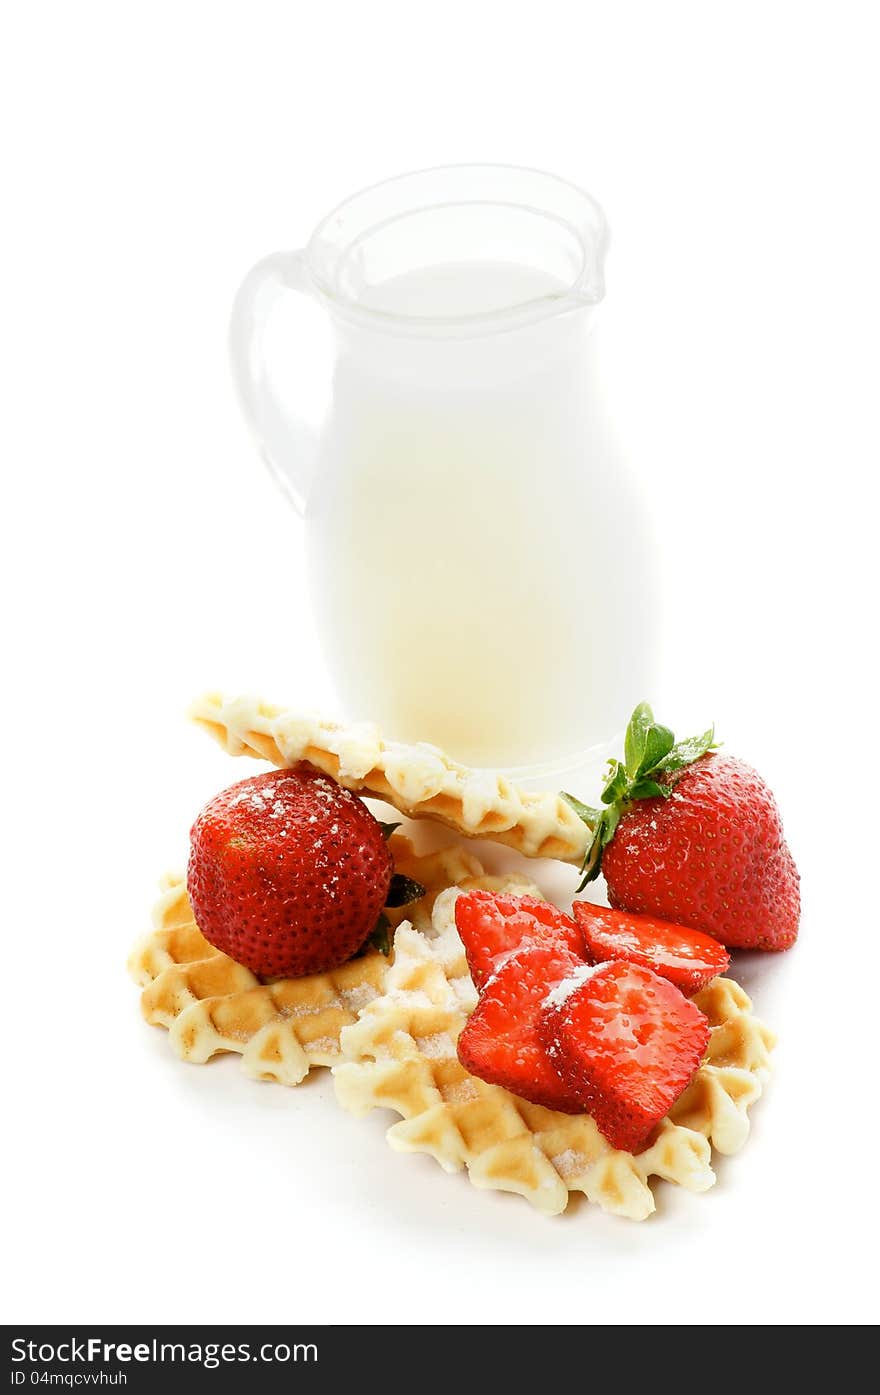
pixel 357 998
pixel 307 1008
pixel 558 995
pixel 439 1047
pixel 569 1164
pixel 465 993
pixel 460 1091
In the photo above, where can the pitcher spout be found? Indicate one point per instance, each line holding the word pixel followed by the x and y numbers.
pixel 594 237
pixel 460 252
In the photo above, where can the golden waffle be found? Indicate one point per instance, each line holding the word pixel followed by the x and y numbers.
pixel 419 780
pixel 435 871
pixel 401 1055
pixel 281 1028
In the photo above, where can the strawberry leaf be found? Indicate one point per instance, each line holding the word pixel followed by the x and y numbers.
pixel 403 890
pixel 602 835
pixel 590 816
pixel 686 752
pixel 617 782
pixel 592 861
pixel 381 936
pixel 648 789
pixel 387 828
pixel 659 741
pixel 635 741
pixel 650 749
pixel 610 820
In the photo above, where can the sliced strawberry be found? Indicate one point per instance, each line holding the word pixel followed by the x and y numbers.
pixel 688 958
pixel 493 927
pixel 500 1043
pixel 627 1043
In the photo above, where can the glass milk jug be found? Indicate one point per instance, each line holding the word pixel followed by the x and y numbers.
pixel 475 550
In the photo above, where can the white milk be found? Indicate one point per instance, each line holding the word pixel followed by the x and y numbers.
pixel 476 554
pixel 461 288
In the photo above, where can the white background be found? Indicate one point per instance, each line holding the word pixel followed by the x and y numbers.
pixel 152 153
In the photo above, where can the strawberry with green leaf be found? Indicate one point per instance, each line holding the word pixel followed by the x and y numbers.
pixel 692 837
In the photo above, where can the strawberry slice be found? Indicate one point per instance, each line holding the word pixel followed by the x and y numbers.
pixel 688 958
pixel 500 1043
pixel 627 1043
pixel 493 927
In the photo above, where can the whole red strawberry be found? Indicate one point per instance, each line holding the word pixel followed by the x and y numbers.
pixel 695 838
pixel 288 872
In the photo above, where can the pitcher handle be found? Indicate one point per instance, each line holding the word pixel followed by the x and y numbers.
pixel 288 445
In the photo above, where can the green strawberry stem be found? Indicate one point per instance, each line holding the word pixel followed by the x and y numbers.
pixel 649 750
pixel 402 892
pixel 381 936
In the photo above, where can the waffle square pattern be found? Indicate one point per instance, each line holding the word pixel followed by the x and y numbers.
pixel 400 1055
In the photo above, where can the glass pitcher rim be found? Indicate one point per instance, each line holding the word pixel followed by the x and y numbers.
pixel 586 288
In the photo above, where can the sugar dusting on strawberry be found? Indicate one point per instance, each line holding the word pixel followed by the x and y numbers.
pixel 500 1042
pixel 626 1043
pixel 288 872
